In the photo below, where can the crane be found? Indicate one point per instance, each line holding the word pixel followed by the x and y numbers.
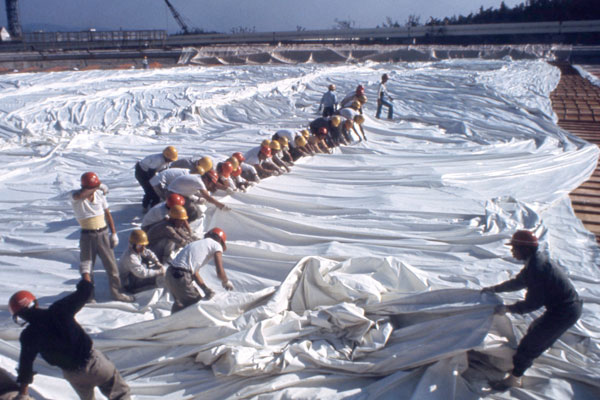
pixel 176 15
pixel 12 16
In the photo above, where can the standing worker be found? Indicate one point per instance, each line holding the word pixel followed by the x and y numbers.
pixel 383 98
pixel 185 269
pixel 547 286
pixel 92 213
pixel 147 168
pixel 328 102
pixel 55 334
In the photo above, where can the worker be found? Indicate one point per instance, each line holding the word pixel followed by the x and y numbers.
pixel 260 158
pixel 384 99
pixel 236 177
pixel 328 102
pixel 352 115
pixel 160 211
pixel 92 212
pixel 277 156
pixel 161 181
pixel 346 132
pixel 185 269
pixel 547 285
pixel 224 170
pixel 352 96
pixel 283 137
pixel 356 101
pixel 248 172
pixel 55 334
pixel 139 267
pixel 299 149
pixel 148 167
pixel 167 237
pixel 190 162
pixel 195 191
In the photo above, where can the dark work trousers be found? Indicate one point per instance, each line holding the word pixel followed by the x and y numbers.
pixel 542 333
pixel 327 111
pixel 150 197
pixel 94 243
pixel 181 286
pixel 98 371
pixel 386 103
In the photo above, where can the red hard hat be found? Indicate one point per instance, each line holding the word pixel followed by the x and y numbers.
pixel 175 199
pixel 212 175
pixel 266 151
pixel 237 172
pixel 360 89
pixel 218 232
pixel 20 301
pixel 90 180
pixel 322 131
pixel 226 169
pixel 524 238
pixel 240 157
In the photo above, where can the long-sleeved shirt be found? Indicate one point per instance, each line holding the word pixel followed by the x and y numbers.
pixel 546 286
pixel 165 229
pixel 55 334
pixel 329 99
pixel 137 264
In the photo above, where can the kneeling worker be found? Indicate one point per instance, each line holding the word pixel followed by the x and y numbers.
pixel 139 266
pixel 185 269
pixel 546 286
pixel 55 334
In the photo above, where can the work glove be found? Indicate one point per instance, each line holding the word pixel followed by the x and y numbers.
pixel 227 285
pixel 104 188
pixel 114 240
pixel 225 208
pixel 194 199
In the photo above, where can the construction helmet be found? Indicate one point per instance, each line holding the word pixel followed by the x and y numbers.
pixel 359 119
pixel 265 143
pixel 362 99
pixel 240 157
pixel 206 163
pixel 198 170
pixel 348 124
pixel 360 89
pixel 332 87
pixel 225 169
pixel 336 120
pixel 322 131
pixel 236 172
pixel 212 175
pixel 300 141
pixel 305 133
pixel 266 151
pixel 219 235
pixel 20 301
pixel 275 145
pixel 170 153
pixel 355 104
pixel 90 180
pixel 178 212
pixel 283 141
pixel 524 238
pixel 175 199
pixel 234 162
pixel 138 237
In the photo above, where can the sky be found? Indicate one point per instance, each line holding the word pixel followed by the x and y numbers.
pixel 225 15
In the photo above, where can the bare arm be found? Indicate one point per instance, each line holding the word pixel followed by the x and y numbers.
pixel 109 220
pixel 83 193
pixel 211 199
pixel 219 267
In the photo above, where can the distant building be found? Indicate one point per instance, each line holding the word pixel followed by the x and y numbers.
pixel 4 35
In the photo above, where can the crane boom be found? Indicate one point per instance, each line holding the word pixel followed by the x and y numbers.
pixel 177 17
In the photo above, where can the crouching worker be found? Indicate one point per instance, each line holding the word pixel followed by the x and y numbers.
pixel 185 269
pixel 170 235
pixel 546 286
pixel 139 266
pixel 55 334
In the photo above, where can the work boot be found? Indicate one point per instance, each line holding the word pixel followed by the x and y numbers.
pixel 508 382
pixel 118 296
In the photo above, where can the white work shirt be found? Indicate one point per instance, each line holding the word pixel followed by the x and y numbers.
pixel 187 185
pixel 131 261
pixel 251 156
pixel 156 162
pixel 155 214
pixel 85 209
pixel 164 178
pixel 286 133
pixel 347 101
pixel 349 113
pixel 382 93
pixel 197 254
pixel 248 168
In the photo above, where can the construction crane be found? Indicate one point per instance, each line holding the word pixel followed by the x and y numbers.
pixel 12 16
pixel 176 15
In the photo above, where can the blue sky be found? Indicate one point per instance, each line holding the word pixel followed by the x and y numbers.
pixel 223 15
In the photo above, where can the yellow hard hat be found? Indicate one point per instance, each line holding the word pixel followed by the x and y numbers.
pixel 362 98
pixel 283 141
pixel 300 141
pixel 206 163
pixel 178 212
pixel 336 120
pixel 138 237
pixel 198 170
pixel 265 143
pixel 275 145
pixel 234 162
pixel 305 133
pixel 359 119
pixel 355 104
pixel 170 153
